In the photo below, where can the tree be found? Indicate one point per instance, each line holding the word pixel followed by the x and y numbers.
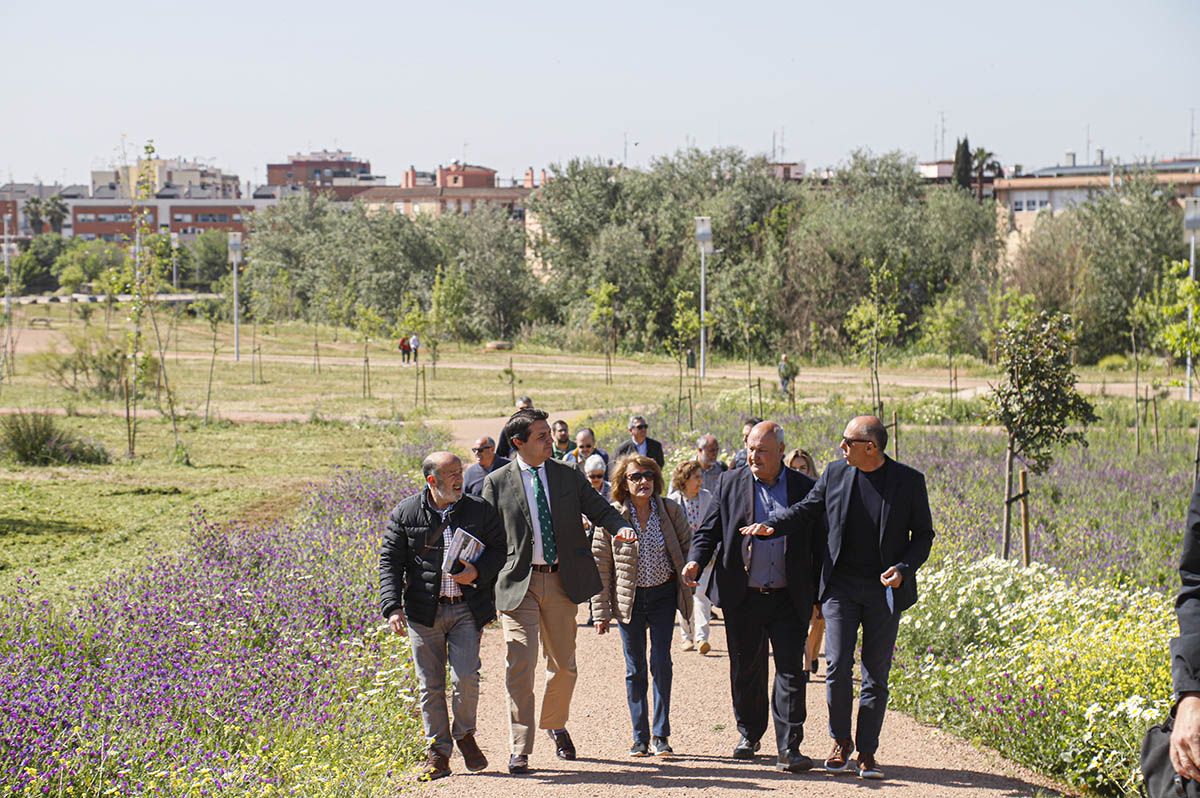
pixel 960 175
pixel 950 329
pixel 55 211
pixel 744 317
pixel 1036 402
pixel 603 312
pixel 369 326
pixel 209 255
pixel 33 212
pixel 1129 235
pixel 685 329
pixel 33 269
pixel 984 160
pixel 447 308
pixel 1051 264
pixel 86 262
pixel 1170 313
pixel 875 321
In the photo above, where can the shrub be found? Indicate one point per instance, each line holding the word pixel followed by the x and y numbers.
pixel 1113 363
pixel 36 439
pixel 94 366
pixel 1063 677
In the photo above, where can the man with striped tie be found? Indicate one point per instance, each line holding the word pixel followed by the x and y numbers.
pixel 549 572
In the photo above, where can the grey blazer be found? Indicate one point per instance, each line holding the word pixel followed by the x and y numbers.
pixel 571 497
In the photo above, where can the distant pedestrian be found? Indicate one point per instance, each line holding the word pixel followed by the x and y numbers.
pixel 504 447
pixel 585 447
pixel 405 350
pixel 707 451
pixel 486 461
pixel 787 373
pixel 640 443
pixel 561 434
pixel 415 343
pixel 739 457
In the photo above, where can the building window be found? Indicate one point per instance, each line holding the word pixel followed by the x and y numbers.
pixel 85 217
pixel 212 218
pixel 183 218
pixel 1018 206
pixel 237 217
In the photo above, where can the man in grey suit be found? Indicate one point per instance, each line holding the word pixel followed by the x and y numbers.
pixel 549 572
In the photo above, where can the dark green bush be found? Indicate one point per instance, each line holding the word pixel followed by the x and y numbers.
pixel 37 439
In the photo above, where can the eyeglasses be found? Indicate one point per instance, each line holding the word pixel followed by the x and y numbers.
pixel 595 477
pixel 638 476
pixel 638 426
pixel 477 450
pixel 848 442
pixel 586 446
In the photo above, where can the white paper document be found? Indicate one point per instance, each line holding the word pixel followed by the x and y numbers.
pixel 463 546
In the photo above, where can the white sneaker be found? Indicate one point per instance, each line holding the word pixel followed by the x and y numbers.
pixel 688 645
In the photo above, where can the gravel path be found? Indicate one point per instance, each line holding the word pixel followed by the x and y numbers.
pixel 918 760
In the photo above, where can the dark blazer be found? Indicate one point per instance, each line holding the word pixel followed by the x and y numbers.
pixel 410 560
pixel 475 474
pixel 571 498
pixel 718 536
pixel 1185 649
pixel 905 523
pixel 654 450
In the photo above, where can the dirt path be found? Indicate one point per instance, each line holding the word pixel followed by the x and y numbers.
pixel 918 760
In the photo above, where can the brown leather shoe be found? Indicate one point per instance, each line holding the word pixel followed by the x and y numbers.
pixel 472 756
pixel 868 768
pixel 838 760
pixel 437 766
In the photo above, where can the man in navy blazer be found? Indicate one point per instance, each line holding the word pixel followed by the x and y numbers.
pixel 766 590
pixel 880 532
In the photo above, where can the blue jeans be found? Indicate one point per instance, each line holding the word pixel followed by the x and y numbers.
pixel 851 603
pixel 653 610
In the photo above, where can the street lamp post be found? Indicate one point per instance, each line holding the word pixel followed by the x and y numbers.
pixel 8 318
pixel 1191 222
pixel 235 258
pixel 704 239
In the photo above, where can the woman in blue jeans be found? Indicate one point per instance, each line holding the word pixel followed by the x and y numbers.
pixel 642 590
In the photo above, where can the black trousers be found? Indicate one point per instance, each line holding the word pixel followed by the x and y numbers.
pixel 760 619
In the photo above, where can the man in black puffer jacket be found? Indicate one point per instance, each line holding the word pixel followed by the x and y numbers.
pixel 445 611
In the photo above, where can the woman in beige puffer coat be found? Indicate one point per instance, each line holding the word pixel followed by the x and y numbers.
pixel 642 590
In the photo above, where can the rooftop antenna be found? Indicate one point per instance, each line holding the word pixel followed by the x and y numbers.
pixel 942 115
pixel 1087 143
pixel 773 155
pixel 782 148
pixel 1192 135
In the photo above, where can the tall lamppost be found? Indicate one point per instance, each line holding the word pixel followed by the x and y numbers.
pixel 235 259
pixel 704 240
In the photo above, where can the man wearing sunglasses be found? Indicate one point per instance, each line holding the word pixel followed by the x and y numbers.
pixel 640 442
pixel 880 533
pixel 486 461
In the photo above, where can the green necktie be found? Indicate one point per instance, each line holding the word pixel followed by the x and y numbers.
pixel 549 547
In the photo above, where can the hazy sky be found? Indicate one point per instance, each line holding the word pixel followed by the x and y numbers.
pixel 519 84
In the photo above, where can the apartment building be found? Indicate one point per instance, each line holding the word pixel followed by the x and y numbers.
pixel 335 172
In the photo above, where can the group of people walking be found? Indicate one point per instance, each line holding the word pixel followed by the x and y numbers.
pixel 776 549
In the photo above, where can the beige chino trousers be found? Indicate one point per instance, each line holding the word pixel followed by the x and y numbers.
pixel 547 610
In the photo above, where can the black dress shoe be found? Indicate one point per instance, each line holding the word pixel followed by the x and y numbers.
pixel 518 764
pixel 793 761
pixel 745 749
pixel 563 747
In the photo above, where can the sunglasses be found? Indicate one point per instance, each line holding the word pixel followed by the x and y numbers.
pixel 480 449
pixel 638 476
pixel 595 477
pixel 848 442
pixel 638 426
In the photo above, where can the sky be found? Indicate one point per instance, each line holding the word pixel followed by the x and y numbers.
pixel 513 85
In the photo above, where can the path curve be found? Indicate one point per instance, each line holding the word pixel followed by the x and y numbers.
pixel 920 761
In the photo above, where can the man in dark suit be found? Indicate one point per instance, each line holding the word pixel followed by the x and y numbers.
pixel 486 461
pixel 639 442
pixel 766 593
pixel 1185 652
pixel 548 573
pixel 880 532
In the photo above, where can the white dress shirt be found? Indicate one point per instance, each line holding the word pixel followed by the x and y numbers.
pixel 527 475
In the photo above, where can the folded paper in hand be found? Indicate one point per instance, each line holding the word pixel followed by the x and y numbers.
pixel 463 546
